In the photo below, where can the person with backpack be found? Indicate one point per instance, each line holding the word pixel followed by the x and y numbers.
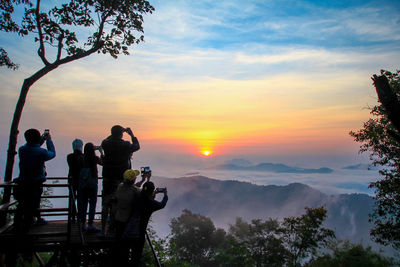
pixel 87 189
pixel 75 164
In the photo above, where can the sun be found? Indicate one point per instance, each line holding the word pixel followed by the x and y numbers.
pixel 206 153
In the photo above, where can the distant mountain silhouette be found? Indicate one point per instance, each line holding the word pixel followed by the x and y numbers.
pixel 270 167
pixel 223 201
pixel 239 162
pixel 361 167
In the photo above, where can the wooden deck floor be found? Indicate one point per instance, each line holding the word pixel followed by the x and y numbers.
pixel 53 234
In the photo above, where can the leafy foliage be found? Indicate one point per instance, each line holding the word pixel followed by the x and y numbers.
pixel 6 61
pixel 379 137
pixel 112 22
pixel 195 240
pixel 261 240
pixel 304 235
pixel 355 255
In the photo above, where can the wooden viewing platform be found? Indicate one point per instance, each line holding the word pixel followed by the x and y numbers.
pixel 63 238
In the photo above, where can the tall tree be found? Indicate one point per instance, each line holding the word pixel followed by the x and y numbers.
pixel 303 235
pixel 195 239
pixel 261 239
pixel 380 136
pixel 113 23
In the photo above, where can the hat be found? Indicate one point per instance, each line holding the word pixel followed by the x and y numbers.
pixel 77 144
pixel 130 174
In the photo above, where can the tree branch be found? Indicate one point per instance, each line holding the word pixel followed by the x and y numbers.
pixel 60 45
pixel 41 50
pixel 96 46
pixel 101 27
pixel 86 53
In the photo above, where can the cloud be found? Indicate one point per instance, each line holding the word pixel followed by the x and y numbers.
pixel 240 74
pixel 226 24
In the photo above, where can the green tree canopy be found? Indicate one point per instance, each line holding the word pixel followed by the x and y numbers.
pixel 261 239
pixel 195 239
pixel 380 136
pixel 354 255
pixel 303 235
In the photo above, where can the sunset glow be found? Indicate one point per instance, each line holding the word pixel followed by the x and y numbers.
pixel 217 81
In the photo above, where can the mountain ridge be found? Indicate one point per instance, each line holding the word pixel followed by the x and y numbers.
pixel 223 201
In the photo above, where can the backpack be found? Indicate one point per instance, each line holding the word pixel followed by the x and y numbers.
pixel 86 179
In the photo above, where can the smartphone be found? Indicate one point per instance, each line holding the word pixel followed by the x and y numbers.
pixel 46 132
pixel 160 189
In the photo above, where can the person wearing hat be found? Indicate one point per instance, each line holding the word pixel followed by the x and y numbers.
pixel 75 162
pixel 126 193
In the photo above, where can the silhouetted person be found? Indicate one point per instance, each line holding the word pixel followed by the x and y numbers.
pixel 125 195
pixel 32 174
pixel 117 155
pixel 142 208
pixel 87 189
pixel 75 164
pixel 126 192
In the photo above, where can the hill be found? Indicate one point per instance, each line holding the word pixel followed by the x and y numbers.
pixel 223 201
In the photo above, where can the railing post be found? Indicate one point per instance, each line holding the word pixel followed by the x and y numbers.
pixel 70 207
pixel 152 249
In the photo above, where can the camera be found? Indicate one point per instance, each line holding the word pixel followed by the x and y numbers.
pixel 97 147
pixel 161 189
pixel 145 172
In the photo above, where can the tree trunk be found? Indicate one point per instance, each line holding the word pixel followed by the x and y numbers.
pixel 388 99
pixel 12 143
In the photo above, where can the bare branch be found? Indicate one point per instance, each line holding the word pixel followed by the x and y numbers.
pixel 60 45
pixel 86 53
pixel 101 26
pixel 41 50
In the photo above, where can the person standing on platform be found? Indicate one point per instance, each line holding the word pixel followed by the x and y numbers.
pixel 117 155
pixel 87 189
pixel 142 208
pixel 75 164
pixel 32 175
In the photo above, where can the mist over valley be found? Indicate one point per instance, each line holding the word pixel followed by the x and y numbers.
pixel 224 201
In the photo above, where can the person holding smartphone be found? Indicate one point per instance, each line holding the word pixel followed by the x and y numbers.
pixel 32 175
pixel 142 209
pixel 87 188
pixel 117 159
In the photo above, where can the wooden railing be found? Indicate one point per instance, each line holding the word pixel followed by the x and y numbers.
pixel 7 206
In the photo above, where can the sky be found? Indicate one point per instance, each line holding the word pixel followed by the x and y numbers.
pixel 267 81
